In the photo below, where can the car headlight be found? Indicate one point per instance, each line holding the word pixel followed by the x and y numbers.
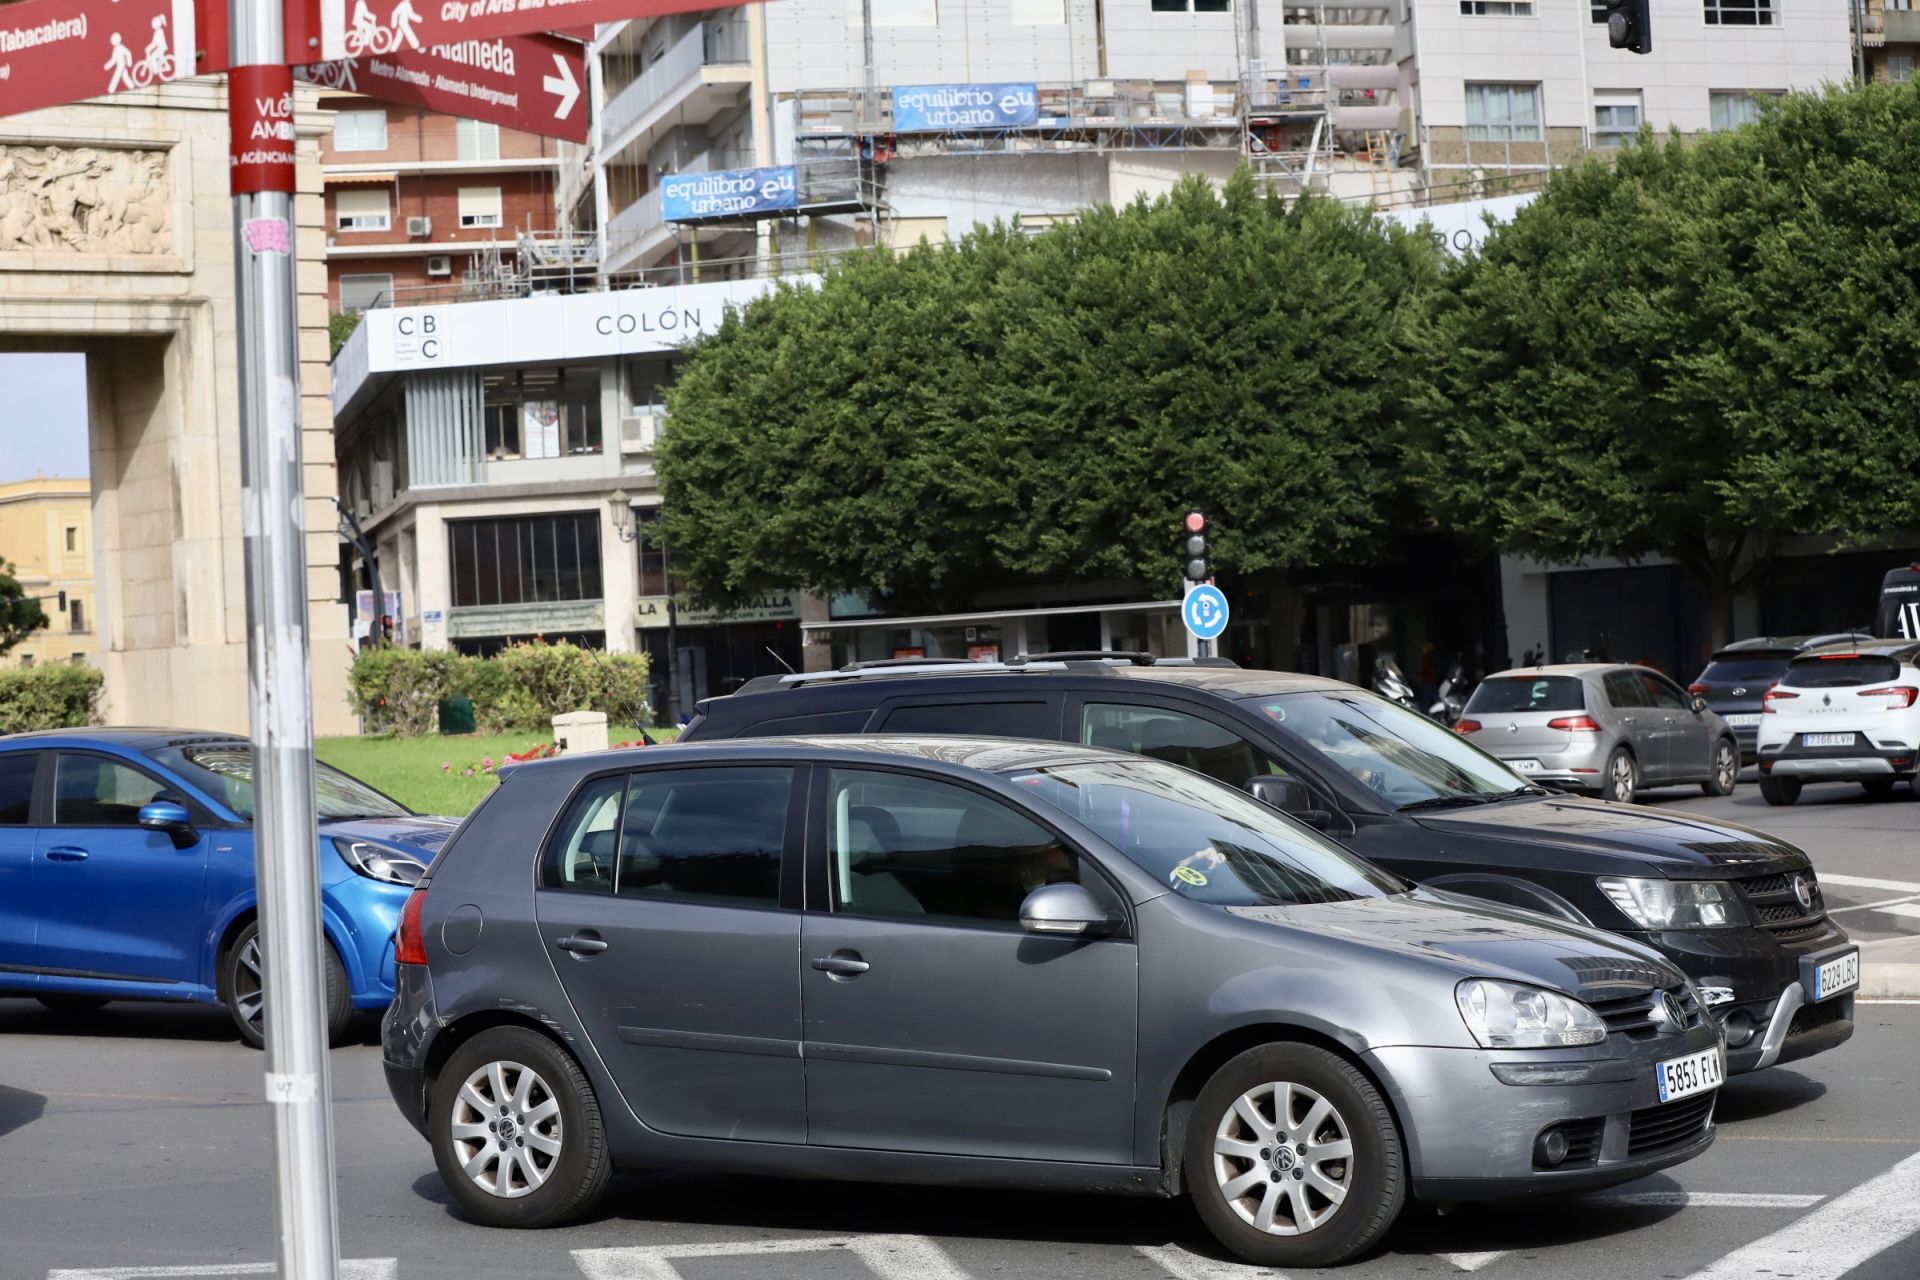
pixel 379 863
pixel 1507 1015
pixel 1674 904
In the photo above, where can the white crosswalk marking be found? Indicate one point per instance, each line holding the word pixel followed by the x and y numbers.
pixel 1835 1238
pixel 889 1257
pixel 1707 1200
pixel 1471 1261
pixel 1910 910
pixel 1184 1265
pixel 350 1269
pixel 1868 882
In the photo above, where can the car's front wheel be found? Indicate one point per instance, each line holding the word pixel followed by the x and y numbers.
pixel 1293 1158
pixel 1623 776
pixel 1726 770
pixel 1779 790
pixel 243 978
pixel 516 1131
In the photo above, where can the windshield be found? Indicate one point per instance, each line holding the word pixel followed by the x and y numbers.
pixel 1205 840
pixel 1401 754
pixel 225 771
pixel 1761 671
pixel 1528 693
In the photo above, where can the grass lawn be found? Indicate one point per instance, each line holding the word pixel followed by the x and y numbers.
pixel 409 769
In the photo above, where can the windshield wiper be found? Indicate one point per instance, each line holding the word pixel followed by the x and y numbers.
pixel 1446 802
pixel 1528 790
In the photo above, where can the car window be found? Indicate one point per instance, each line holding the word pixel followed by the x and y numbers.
pixel 1754 671
pixel 1840 673
pixel 1661 693
pixel 580 853
pixel 224 770
pixel 1401 754
pixel 978 719
pixel 1625 692
pixel 1177 738
pixel 1204 840
pixel 93 791
pixel 1528 693
pixel 918 848
pixel 704 833
pixel 16 787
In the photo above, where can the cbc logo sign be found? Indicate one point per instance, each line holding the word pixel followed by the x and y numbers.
pixel 423 331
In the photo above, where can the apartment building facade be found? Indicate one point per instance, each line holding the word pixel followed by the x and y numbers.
pixel 421 205
pixel 46 535
pixel 1889 39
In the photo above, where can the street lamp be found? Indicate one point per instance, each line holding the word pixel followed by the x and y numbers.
pixel 627 529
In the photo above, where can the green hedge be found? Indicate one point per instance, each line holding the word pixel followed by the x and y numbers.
pixel 399 691
pixel 57 696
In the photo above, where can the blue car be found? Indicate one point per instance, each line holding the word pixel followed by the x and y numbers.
pixel 126 873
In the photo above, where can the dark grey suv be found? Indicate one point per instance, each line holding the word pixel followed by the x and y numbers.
pixel 989 962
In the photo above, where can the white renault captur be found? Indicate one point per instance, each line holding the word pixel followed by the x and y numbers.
pixel 1842 713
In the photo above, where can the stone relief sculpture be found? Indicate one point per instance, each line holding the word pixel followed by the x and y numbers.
pixel 84 200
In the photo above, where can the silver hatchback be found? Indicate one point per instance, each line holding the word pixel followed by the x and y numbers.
pixel 1605 729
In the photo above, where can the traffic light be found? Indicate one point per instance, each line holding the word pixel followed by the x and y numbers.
pixel 1630 25
pixel 1195 545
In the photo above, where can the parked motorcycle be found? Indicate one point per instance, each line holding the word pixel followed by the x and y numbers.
pixel 1453 695
pixel 1390 683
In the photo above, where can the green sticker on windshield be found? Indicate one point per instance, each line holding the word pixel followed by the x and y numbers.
pixel 1189 876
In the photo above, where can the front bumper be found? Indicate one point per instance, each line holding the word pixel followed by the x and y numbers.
pixel 1770 981
pixel 1471 1136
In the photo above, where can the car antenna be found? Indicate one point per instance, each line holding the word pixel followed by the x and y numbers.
pixel 782 661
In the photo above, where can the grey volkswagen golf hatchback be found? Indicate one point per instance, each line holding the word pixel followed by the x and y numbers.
pixel 1008 963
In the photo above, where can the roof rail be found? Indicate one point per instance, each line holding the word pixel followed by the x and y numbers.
pixel 935 667
pixel 1200 662
pixel 1134 656
pixel 876 663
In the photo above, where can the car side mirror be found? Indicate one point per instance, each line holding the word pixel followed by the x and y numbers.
pixel 167 816
pixel 1291 797
pixel 1066 909
pixel 1699 704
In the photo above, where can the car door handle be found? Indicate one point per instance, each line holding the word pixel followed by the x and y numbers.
pixel 842 964
pixel 582 944
pixel 66 853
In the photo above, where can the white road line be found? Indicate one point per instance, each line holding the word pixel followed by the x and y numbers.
pixel 1183 1265
pixel 1707 1200
pixel 1835 1238
pixel 1867 882
pixel 889 1257
pixel 1471 1261
pixel 1872 906
pixel 350 1269
pixel 1909 910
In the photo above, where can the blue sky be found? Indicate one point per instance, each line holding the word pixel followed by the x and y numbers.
pixel 45 425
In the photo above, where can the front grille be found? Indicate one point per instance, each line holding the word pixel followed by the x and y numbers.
pixel 1778 915
pixel 1812 1017
pixel 1795 933
pixel 1633 1016
pixel 1774 905
pixel 1675 1124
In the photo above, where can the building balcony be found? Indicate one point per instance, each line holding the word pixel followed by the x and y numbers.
pixel 702 74
pixel 1903 26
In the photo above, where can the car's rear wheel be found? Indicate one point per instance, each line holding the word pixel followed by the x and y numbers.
pixel 1623 776
pixel 73 1004
pixel 1877 786
pixel 1726 769
pixel 1779 790
pixel 1293 1158
pixel 516 1131
pixel 243 989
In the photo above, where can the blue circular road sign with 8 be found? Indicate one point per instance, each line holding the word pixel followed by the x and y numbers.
pixel 1205 611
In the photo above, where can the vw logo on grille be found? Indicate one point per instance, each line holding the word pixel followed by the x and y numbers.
pixel 1803 893
pixel 1668 1013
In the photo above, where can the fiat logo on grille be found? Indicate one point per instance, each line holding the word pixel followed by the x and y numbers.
pixel 1803 893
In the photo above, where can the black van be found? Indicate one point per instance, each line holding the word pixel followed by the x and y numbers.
pixel 1738 910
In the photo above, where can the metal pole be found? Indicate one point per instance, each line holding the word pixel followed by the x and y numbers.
pixel 260 93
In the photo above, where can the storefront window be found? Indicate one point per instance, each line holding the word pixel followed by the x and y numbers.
pixel 525 560
pixel 542 413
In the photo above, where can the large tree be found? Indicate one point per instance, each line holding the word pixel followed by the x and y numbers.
pixel 1044 407
pixel 1698 351
pixel 20 617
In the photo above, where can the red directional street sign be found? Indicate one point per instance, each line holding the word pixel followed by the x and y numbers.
pixel 536 83
pixel 58 51
pixel 351 28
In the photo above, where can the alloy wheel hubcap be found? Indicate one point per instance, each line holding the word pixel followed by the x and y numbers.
pixel 505 1125
pixel 250 983
pixel 1283 1158
pixel 1726 768
pixel 1622 778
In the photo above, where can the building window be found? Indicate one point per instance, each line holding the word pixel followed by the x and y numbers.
pixel 1503 113
pixel 362 210
pixel 655 580
pixel 76 616
pixel 26 660
pixel 1197 6
pixel 1899 67
pixel 480 207
pixel 1739 13
pixel 1616 119
pixel 476 140
pixel 1731 108
pixel 525 559
pixel 1497 8
pixel 360 131
pixel 77 659
pixel 357 293
pixel 542 413
pixel 73 531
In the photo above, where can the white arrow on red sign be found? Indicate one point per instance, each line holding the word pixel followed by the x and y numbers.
pixel 349 28
pixel 59 51
pixel 504 80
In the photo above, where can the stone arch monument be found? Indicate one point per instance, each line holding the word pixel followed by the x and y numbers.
pixel 116 241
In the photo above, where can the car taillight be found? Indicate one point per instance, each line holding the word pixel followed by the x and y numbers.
pixel 409 947
pixel 1772 696
pixel 1577 724
pixel 1899 696
pixel 1466 726
pixel 1699 690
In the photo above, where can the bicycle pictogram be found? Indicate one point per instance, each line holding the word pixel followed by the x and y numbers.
pixel 370 35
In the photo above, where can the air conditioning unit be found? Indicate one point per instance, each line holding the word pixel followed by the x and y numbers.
pixel 419 226
pixel 640 433
pixel 439 264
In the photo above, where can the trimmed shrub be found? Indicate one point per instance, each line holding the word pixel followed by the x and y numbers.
pixel 398 691
pixel 56 696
